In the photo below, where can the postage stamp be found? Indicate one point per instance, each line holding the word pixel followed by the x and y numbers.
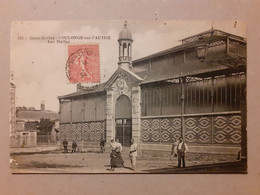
pixel 83 64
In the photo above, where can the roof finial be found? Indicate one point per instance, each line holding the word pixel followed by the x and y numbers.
pixel 125 23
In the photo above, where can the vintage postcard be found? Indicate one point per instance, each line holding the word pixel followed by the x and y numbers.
pixel 128 97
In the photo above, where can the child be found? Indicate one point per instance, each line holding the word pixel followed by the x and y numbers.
pixel 113 157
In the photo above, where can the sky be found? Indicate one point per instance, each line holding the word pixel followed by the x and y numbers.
pixel 39 66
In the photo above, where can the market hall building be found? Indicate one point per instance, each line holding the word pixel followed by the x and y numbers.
pixel 196 90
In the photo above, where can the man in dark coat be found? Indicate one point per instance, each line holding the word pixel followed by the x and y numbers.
pixel 102 145
pixel 74 146
pixel 65 145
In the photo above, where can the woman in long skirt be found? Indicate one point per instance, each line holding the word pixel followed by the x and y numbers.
pixel 113 157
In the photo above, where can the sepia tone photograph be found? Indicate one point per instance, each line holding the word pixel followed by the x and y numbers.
pixel 128 97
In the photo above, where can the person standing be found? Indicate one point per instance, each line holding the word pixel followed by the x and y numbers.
pixel 113 156
pixel 182 148
pixel 133 153
pixel 112 145
pixel 102 145
pixel 74 146
pixel 65 145
pixel 119 150
pixel 119 145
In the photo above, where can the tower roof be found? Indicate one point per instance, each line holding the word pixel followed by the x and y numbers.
pixel 125 34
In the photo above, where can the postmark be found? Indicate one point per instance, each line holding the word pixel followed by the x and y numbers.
pixel 83 64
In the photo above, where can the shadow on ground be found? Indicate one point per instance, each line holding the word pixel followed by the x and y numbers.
pixel 36 164
pixel 228 167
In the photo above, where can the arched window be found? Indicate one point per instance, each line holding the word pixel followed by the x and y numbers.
pixel 129 49
pixel 123 107
pixel 124 49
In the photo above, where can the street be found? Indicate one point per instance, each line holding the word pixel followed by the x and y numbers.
pixel 95 162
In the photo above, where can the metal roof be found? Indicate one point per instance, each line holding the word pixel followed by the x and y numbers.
pixel 209 33
pixel 186 45
pixel 205 68
pixel 99 88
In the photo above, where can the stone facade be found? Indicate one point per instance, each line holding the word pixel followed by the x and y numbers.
pixel 130 89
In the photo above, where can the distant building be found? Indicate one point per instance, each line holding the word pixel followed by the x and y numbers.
pixel 195 90
pixel 26 126
pixel 36 115
pixel 26 134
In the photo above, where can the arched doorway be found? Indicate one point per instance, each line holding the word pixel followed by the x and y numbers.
pixel 123 117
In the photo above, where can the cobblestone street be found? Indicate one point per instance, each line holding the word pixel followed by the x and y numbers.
pixel 95 162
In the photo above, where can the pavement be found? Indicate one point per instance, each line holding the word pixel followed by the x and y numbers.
pixel 56 161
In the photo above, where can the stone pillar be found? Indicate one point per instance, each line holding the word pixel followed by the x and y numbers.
pixel 136 114
pixel 243 124
pixel 110 119
pixel 183 107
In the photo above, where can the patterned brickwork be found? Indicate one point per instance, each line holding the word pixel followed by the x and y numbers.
pixel 76 131
pixel 88 131
pixel 198 130
pixel 64 131
pixel 166 130
pixel 227 130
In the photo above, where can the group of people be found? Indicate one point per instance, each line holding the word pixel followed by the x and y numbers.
pixel 65 145
pixel 116 159
pixel 179 149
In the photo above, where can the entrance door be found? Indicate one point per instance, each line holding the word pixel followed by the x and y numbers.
pixel 123 120
pixel 124 131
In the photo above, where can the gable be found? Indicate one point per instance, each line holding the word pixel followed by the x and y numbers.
pixel 128 75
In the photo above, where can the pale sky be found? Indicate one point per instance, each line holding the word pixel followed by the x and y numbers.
pixel 39 67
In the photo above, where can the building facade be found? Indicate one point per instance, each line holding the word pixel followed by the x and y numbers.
pixel 196 90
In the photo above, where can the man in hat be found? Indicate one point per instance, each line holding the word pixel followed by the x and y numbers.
pixel 182 148
pixel 102 144
pixel 133 153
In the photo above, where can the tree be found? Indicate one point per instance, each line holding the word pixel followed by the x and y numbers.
pixel 45 126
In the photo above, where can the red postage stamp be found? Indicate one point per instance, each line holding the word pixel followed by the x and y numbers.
pixel 83 64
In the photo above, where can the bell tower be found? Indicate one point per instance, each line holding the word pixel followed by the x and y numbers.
pixel 125 48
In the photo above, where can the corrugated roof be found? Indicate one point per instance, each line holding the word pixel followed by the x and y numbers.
pixel 184 69
pixel 181 47
pixel 212 32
